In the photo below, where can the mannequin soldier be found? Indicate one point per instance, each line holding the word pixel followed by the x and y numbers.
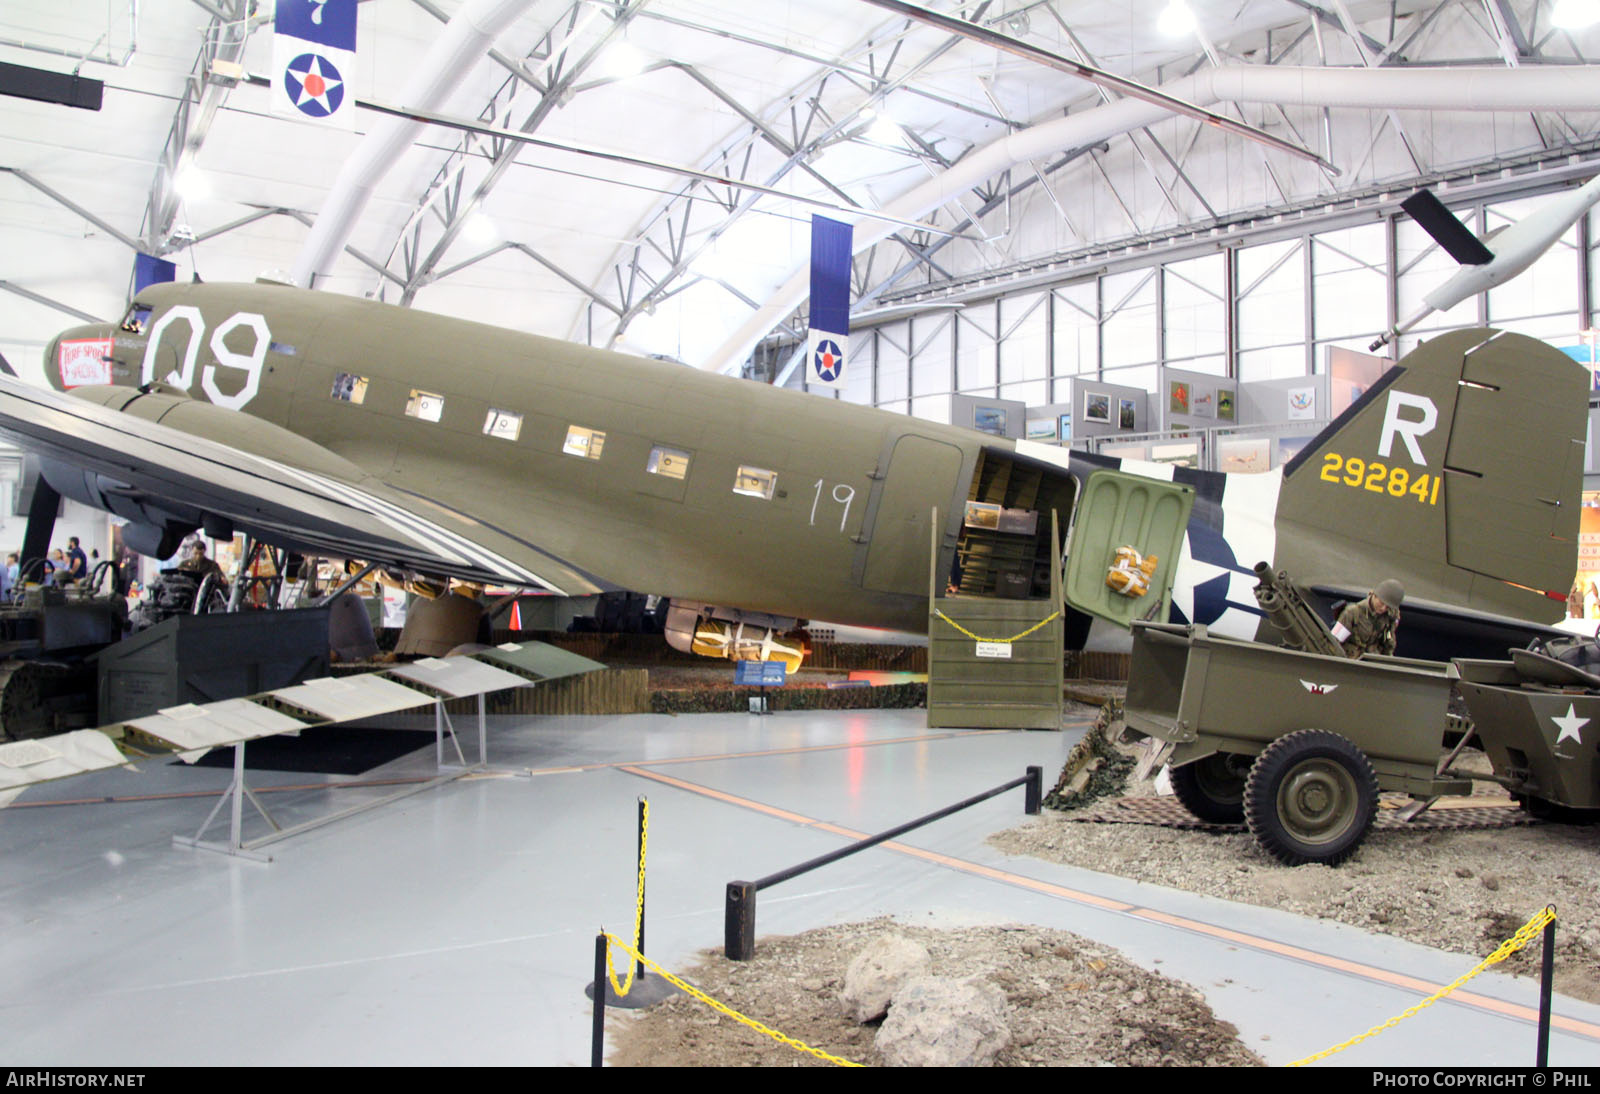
pixel 1369 625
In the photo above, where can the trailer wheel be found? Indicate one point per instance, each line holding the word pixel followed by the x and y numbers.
pixel 1213 788
pixel 1310 797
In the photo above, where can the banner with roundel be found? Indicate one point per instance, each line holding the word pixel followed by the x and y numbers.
pixel 828 347
pixel 314 61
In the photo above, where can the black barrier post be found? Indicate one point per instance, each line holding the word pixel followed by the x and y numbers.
pixel 1033 794
pixel 598 1048
pixel 1546 979
pixel 739 921
pixel 739 910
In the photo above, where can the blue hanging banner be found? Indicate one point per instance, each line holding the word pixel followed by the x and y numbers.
pixel 149 270
pixel 314 60
pixel 828 348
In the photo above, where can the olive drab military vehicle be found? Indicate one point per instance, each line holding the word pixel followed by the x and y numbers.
pixel 1296 739
pixel 350 428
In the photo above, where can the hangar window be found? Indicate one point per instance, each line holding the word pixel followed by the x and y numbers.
pixel 587 443
pixel 753 482
pixel 425 405
pixel 503 424
pixel 350 388
pixel 671 462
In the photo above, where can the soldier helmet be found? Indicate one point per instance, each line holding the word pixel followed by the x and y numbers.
pixel 1391 592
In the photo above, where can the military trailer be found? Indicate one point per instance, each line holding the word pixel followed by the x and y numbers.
pixel 1538 718
pixel 1295 744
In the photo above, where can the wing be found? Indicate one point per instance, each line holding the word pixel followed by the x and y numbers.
pixel 267 482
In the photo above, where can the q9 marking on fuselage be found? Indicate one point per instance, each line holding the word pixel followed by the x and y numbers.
pixel 183 376
pixel 842 494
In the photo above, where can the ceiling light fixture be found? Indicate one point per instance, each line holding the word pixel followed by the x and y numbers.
pixel 1575 14
pixel 190 182
pixel 480 230
pixel 1175 19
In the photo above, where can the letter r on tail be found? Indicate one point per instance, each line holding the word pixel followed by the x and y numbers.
pixel 1407 429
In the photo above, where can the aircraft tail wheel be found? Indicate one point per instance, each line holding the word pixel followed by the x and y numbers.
pixel 1310 797
pixel 1212 788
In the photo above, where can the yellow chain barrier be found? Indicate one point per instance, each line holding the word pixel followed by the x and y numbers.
pixel 721 1008
pixel 638 905
pixel 1525 934
pixel 1015 638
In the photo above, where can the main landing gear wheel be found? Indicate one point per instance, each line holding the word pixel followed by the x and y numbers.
pixel 1311 797
pixel 1212 788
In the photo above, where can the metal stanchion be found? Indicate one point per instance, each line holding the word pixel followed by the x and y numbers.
pixel 643 804
pixel 597 1050
pixel 1547 975
pixel 642 991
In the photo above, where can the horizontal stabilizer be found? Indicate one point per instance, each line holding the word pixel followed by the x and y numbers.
pixel 1448 232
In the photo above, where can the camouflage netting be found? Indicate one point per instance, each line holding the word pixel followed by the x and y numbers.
pixel 1095 767
pixel 723 700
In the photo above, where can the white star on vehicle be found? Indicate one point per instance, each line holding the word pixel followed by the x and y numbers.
pixel 1569 725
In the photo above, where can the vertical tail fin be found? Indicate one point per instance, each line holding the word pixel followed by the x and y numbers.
pixel 1458 473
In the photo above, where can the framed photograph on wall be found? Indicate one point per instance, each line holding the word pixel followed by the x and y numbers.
pixel 1178 397
pixel 1096 406
pixel 1041 429
pixel 1225 404
pixel 1125 413
pixel 989 419
pixel 1064 429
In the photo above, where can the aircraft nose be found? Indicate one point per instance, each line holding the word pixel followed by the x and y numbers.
pixel 80 355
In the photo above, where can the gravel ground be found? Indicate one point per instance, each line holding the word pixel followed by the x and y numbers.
pixel 1071 1002
pixel 1462 891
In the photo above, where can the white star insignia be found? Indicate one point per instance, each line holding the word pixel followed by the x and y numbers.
pixel 1569 725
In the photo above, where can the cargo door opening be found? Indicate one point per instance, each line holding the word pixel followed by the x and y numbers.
pixel 1004 548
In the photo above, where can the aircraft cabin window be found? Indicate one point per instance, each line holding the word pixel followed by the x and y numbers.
pixel 753 482
pixel 587 443
pixel 425 405
pixel 671 462
pixel 503 424
pixel 349 388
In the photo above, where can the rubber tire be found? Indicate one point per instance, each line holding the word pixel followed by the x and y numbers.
pixel 1212 788
pixel 1310 797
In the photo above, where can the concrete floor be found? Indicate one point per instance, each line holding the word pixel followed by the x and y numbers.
pixel 457 926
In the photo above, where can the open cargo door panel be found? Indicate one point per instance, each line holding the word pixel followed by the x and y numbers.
pixel 1117 509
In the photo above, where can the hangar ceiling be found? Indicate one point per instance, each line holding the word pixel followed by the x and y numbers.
pixel 837 101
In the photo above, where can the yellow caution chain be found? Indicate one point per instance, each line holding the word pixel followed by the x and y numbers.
pixel 1043 622
pixel 638 905
pixel 721 1008
pixel 1525 934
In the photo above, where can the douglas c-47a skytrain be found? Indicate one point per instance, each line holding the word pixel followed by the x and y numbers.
pixel 355 429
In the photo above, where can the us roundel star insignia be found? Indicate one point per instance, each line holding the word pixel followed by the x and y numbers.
pixel 828 361
pixel 313 85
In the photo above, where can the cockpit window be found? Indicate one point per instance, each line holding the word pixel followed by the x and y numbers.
pixel 137 319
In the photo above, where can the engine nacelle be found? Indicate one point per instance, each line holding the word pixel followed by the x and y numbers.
pixel 734 635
